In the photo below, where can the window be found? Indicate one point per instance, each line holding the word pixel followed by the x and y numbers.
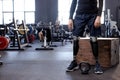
pixel 1 17
pixel 19 5
pixel 7 5
pixel 63 10
pixel 17 9
pixel 30 17
pixel 19 16
pixel 7 18
pixel 29 5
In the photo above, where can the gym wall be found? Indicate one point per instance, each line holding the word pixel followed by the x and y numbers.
pixel 46 10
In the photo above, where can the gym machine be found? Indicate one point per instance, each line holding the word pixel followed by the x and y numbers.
pixel 46 37
pixel 58 33
pixel 111 26
pixel 15 38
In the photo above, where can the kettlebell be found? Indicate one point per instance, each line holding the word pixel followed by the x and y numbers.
pixel 84 67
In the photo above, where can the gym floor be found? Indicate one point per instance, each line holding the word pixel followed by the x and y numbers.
pixel 46 65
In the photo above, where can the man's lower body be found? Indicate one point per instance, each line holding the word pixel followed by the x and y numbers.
pixel 80 22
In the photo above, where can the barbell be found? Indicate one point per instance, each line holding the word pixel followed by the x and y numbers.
pixel 21 29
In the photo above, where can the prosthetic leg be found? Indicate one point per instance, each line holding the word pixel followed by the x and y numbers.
pixel 75 47
pixel 94 45
pixel 73 65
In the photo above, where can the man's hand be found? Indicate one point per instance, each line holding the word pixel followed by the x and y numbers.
pixel 97 22
pixel 70 24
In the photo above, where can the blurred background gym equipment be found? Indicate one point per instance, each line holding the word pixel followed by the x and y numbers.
pixel 16 40
pixel 45 36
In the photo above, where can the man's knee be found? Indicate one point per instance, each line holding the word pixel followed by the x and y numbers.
pixel 93 39
pixel 75 38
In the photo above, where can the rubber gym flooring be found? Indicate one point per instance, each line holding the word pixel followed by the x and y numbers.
pixel 47 65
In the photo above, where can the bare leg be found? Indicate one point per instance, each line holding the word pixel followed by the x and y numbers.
pixel 41 37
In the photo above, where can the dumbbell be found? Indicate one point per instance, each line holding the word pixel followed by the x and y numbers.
pixel 84 67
